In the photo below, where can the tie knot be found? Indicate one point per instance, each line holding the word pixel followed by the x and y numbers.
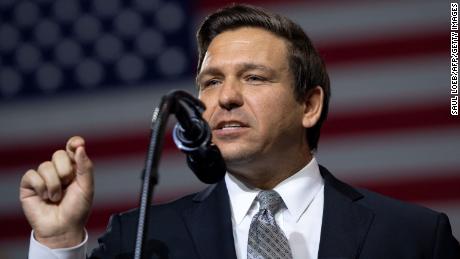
pixel 270 200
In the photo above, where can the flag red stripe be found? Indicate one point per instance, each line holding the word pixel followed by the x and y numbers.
pixel 386 47
pixel 390 119
pixel 419 190
pixel 423 187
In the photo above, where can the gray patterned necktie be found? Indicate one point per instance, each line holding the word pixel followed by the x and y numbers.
pixel 266 239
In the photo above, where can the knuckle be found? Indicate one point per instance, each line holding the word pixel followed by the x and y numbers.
pixel 45 167
pixel 58 154
pixel 63 164
pixel 33 180
pixel 49 175
pixel 28 175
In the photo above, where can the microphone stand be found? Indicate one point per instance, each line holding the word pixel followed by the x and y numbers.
pixel 171 103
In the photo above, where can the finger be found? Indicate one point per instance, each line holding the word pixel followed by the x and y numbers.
pixel 72 144
pixel 84 171
pixel 53 184
pixel 63 165
pixel 32 184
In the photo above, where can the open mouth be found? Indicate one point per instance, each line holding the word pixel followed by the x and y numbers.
pixel 229 125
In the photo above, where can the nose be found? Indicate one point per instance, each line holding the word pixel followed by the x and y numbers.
pixel 230 95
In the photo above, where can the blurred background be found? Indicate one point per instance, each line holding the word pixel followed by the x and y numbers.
pixel 97 68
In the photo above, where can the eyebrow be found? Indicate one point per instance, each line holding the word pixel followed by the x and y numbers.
pixel 253 66
pixel 207 71
pixel 241 67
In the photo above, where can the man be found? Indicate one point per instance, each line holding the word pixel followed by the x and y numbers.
pixel 266 91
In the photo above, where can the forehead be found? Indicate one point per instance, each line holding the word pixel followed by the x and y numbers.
pixel 246 44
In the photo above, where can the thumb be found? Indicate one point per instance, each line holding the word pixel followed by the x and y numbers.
pixel 84 170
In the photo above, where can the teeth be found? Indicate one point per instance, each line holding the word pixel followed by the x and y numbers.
pixel 234 125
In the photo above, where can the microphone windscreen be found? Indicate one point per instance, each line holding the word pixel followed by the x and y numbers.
pixel 208 166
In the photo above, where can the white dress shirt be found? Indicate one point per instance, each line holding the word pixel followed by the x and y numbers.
pixel 39 251
pixel 300 219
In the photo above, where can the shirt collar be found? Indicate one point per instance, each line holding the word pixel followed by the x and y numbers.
pixel 241 197
pixel 297 192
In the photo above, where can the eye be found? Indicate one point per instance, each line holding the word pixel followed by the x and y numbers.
pixel 255 79
pixel 209 83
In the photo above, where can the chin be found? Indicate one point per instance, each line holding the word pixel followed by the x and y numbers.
pixel 237 156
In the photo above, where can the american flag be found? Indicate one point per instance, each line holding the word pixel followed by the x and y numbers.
pixel 98 68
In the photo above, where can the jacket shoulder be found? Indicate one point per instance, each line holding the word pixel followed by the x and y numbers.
pixel 423 231
pixel 390 207
pixel 398 229
pixel 167 231
pixel 177 205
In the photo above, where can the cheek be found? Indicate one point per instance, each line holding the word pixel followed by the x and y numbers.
pixel 204 98
pixel 272 104
pixel 210 105
pixel 267 114
pixel 281 113
pixel 207 115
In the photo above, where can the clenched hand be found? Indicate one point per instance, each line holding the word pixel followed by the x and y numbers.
pixel 57 196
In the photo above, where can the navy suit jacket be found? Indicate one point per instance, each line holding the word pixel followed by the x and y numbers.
pixel 356 224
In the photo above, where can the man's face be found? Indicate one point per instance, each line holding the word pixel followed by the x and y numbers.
pixel 247 87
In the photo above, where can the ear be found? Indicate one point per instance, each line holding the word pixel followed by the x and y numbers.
pixel 313 106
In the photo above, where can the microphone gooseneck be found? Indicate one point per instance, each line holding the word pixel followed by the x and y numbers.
pixel 193 136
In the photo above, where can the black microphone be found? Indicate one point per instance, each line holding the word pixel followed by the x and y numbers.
pixel 192 136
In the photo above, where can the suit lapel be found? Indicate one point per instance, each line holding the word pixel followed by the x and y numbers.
pixel 209 223
pixel 343 232
pixel 345 223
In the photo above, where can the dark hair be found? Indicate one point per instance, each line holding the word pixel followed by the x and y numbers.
pixel 305 63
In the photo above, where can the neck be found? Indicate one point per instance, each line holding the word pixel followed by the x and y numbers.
pixel 266 176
